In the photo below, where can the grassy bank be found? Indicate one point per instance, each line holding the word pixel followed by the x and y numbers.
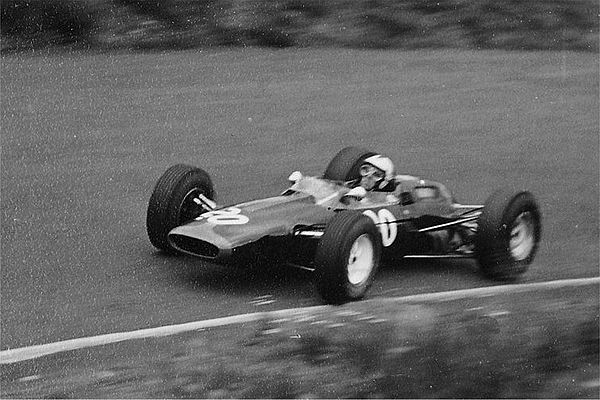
pixel 152 24
pixel 531 345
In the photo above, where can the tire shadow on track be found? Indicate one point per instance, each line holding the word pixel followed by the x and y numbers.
pixel 247 279
pixel 410 267
pixel 403 275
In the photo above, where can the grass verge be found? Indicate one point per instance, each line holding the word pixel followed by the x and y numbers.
pixel 533 345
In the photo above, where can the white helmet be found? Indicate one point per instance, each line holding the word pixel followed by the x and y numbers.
pixel 383 164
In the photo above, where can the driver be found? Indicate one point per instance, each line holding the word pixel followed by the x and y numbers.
pixel 377 174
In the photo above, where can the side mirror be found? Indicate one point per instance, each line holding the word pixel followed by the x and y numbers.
pixel 295 177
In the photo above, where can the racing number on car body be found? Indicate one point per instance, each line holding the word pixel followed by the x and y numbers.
pixel 226 216
pixel 387 226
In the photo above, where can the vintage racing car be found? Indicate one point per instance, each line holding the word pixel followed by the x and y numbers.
pixel 340 231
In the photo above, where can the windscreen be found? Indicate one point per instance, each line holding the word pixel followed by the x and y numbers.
pixel 322 190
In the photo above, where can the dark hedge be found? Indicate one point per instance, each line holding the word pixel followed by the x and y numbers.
pixel 483 24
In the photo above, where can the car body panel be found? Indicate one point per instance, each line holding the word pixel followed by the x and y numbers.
pixel 275 216
pixel 308 205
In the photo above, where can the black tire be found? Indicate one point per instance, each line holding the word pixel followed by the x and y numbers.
pixel 171 202
pixel 346 163
pixel 332 274
pixel 507 213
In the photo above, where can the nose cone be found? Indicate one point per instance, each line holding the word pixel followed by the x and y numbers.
pixel 216 234
pixel 200 239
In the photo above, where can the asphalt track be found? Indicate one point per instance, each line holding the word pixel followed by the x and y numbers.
pixel 84 138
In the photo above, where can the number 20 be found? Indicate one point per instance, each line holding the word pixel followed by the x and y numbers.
pixel 227 216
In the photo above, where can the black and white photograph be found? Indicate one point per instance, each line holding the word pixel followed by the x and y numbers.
pixel 304 199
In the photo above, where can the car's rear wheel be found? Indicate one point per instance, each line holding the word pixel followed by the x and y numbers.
pixel 347 258
pixel 175 200
pixel 508 235
pixel 346 164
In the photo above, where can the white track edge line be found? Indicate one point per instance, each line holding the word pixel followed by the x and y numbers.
pixel 31 352
pixel 494 290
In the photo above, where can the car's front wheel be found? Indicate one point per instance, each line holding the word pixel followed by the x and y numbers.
pixel 508 235
pixel 176 200
pixel 347 258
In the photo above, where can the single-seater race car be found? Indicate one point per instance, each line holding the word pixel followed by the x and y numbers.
pixel 331 226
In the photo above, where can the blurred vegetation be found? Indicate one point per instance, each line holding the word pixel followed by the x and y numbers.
pixel 162 24
pixel 42 23
pixel 474 356
pixel 470 356
pixel 515 346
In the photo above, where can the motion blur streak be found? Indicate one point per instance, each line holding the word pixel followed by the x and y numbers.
pixel 27 353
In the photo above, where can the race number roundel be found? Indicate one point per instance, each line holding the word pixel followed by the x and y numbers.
pixel 227 216
pixel 385 220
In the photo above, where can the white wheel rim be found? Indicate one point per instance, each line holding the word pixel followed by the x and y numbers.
pixel 360 261
pixel 522 236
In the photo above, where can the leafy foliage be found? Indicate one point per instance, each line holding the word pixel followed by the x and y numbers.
pixel 47 22
pixel 484 24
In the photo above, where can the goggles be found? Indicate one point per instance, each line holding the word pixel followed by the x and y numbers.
pixel 367 170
